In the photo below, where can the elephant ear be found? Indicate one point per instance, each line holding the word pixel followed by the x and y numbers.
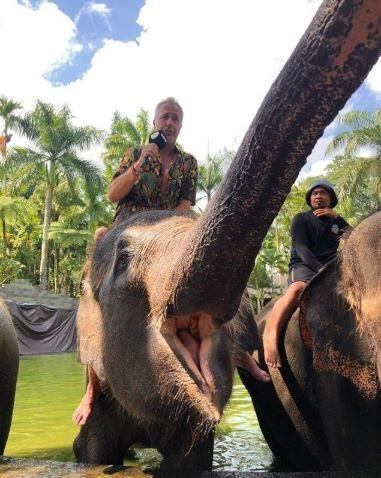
pixel 360 274
pixel 90 331
pixel 330 330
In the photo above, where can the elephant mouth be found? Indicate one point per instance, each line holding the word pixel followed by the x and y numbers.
pixel 191 340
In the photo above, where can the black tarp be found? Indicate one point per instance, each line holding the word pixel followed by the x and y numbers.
pixel 42 329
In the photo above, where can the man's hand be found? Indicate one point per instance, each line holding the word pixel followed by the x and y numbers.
pixel 325 212
pixel 150 151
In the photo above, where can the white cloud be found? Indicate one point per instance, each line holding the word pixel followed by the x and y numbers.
pixel 374 79
pixel 317 161
pixel 98 8
pixel 218 58
pixel 33 43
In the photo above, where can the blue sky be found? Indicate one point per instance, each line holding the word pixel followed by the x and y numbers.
pixel 95 22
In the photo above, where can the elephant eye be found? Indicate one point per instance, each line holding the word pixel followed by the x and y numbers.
pixel 124 258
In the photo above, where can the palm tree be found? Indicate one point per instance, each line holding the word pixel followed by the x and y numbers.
pixel 124 134
pixel 210 174
pixel 8 110
pixel 360 159
pixel 10 119
pixel 56 142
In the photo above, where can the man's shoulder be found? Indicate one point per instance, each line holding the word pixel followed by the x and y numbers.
pixel 303 216
pixel 187 158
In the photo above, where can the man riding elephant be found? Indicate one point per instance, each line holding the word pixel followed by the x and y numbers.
pixel 315 238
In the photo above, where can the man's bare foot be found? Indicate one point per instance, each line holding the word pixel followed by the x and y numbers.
pixel 83 411
pixel 270 345
pixel 85 407
pixel 247 361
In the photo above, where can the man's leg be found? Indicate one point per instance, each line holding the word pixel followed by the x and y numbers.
pixel 280 315
pixel 85 407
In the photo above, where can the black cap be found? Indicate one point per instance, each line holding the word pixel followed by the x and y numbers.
pixel 322 183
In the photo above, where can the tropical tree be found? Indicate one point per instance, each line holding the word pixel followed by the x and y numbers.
pixel 210 173
pixel 125 133
pixel 10 119
pixel 359 143
pixel 259 280
pixel 10 267
pixel 12 209
pixel 54 155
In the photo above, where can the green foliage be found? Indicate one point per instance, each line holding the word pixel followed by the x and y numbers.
pixel 356 171
pixel 210 173
pixel 10 267
pixel 8 113
pixel 53 157
pixel 124 134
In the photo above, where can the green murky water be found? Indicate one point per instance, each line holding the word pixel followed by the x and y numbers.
pixel 49 388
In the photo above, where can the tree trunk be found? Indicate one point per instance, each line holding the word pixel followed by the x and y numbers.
pixel 330 62
pixel 4 231
pixel 45 241
pixel 55 270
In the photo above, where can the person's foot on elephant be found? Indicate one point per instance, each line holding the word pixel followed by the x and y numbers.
pixel 83 411
pixel 85 407
pixel 270 345
pixel 247 362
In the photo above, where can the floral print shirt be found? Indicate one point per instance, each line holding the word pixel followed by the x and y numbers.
pixel 146 193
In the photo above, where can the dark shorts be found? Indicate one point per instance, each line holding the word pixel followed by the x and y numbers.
pixel 301 273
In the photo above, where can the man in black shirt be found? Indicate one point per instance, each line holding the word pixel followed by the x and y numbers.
pixel 315 238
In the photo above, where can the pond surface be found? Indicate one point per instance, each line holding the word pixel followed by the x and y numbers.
pixel 49 388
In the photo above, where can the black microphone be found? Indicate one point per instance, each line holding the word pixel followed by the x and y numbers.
pixel 158 138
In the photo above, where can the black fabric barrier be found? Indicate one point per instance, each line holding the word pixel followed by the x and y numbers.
pixel 42 329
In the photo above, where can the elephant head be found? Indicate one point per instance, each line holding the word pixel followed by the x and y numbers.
pixel 361 285
pixel 159 266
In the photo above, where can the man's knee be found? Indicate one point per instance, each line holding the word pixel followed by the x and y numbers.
pixel 295 289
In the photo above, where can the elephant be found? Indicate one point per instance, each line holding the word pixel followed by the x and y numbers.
pixel 157 267
pixel 323 408
pixel 9 365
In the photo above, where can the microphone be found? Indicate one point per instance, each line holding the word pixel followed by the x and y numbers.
pixel 158 138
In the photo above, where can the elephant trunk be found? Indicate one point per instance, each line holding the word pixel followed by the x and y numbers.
pixel 330 62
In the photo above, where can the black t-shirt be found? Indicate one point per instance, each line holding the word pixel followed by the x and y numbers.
pixel 315 239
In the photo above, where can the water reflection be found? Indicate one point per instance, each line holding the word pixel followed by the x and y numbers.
pixel 49 388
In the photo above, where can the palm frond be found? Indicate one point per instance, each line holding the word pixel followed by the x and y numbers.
pixel 356 119
pixel 85 169
pixel 18 157
pixel 68 237
pixel 15 209
pixel 143 125
pixel 8 107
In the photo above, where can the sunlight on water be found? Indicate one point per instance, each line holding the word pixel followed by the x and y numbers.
pixel 49 388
